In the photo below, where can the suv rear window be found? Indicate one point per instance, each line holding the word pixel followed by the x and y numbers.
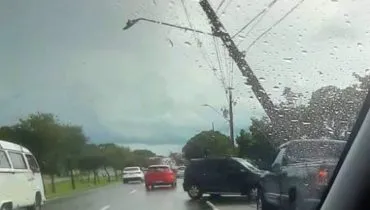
pixel 314 150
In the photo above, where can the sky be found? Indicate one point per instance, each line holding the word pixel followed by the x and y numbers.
pixel 144 87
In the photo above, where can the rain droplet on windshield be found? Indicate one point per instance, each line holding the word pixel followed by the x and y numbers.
pixel 188 43
pixel 288 59
pixel 359 45
pixel 304 52
pixel 262 79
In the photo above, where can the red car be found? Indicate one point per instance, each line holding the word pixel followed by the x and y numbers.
pixel 159 175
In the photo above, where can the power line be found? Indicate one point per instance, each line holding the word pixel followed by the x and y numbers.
pixel 219 6
pixel 275 24
pixel 196 37
pixel 255 17
pixel 226 6
pixel 253 26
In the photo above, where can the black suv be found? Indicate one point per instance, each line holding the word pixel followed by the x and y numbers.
pixel 216 176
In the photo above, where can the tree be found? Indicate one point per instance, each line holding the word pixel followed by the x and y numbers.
pixel 207 143
pixel 91 160
pixel 255 146
pixel 144 153
pixel 330 113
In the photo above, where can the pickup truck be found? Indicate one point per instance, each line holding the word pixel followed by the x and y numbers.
pixel 299 174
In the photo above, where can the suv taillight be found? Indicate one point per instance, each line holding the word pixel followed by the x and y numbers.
pixel 322 177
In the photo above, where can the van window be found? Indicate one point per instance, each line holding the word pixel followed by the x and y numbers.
pixel 17 160
pixel 32 163
pixel 4 162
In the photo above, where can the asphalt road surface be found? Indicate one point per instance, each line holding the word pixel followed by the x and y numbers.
pixel 134 196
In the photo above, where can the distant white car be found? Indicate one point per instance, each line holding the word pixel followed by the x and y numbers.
pixel 180 171
pixel 132 174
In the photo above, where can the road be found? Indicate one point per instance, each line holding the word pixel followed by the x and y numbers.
pixel 134 196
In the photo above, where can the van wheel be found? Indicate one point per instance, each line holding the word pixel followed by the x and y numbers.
pixel 37 204
pixel 195 192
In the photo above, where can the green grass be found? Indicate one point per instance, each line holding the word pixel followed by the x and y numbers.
pixel 64 188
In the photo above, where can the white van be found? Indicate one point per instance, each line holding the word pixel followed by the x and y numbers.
pixel 20 178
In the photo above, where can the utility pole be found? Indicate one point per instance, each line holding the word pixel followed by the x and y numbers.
pixel 218 30
pixel 231 116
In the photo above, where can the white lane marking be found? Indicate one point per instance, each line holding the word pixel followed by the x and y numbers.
pixel 132 191
pixel 211 205
pixel 105 207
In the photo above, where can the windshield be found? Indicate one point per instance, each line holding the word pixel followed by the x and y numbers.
pixel 102 93
pixel 248 165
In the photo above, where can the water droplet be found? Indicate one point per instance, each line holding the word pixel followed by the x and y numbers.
pixel 306 123
pixel 262 79
pixel 359 45
pixel 289 60
pixel 304 52
pixel 188 43
pixel 276 87
pixel 348 22
pixel 170 42
pixel 171 4
pixel 238 7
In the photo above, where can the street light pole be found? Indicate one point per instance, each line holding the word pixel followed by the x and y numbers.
pixel 239 57
pixel 231 116
pixel 130 23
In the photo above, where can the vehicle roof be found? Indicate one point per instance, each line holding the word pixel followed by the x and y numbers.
pixel 158 166
pixel 312 140
pixel 12 146
pixel 132 167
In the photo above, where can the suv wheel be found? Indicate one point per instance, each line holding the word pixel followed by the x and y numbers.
pixel 195 192
pixel 262 204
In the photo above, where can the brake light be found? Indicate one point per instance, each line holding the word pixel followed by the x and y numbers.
pixel 322 177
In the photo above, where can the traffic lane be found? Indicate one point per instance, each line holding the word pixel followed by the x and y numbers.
pixel 93 199
pixel 159 198
pixel 232 203
pixel 128 196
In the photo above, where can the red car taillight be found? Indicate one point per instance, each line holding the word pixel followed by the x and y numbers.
pixel 322 177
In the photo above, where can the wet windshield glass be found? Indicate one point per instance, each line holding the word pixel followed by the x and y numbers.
pixel 314 150
pixel 95 90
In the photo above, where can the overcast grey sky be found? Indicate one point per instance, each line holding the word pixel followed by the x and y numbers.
pixel 144 87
